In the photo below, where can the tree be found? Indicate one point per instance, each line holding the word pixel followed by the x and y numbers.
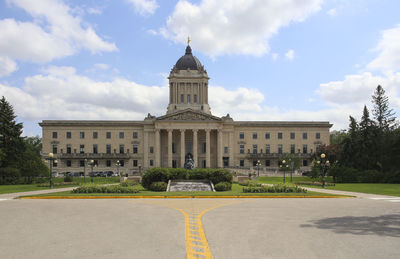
pixel 10 135
pixel 382 114
pixel 32 164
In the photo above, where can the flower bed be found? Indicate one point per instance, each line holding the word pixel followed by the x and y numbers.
pixel 105 189
pixel 277 188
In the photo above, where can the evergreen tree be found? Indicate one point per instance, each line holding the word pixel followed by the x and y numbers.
pixel 382 114
pixel 367 157
pixel 10 135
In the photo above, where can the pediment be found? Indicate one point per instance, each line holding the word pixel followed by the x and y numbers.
pixel 188 115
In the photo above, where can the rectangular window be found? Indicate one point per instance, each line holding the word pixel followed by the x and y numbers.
pixel 151 150
pixel 135 163
pixel 94 148
pixel 135 149
pixel 54 134
pixel 121 135
pixel 108 148
pixel 305 163
pixel 280 135
pixel 304 149
pixel 203 162
pixel 242 163
pixel 254 149
pixel 292 148
pixel 151 162
pixel 317 147
pixel 267 135
pixel 182 98
pixel 95 134
pixel 135 135
pixel 195 98
pixel 203 147
pixel 174 164
pixel 226 150
pixel 241 135
pixel 241 149
pixel 108 163
pixel 69 163
pixel 122 163
pixel 108 134
pixel 292 135
pixel 280 149
pixel 267 163
pixel 317 135
pixel 68 134
pixel 68 149
pixel 81 149
pixel 81 163
pixel 305 135
pixel 254 135
pixel 82 135
pixel 121 149
pixel 267 149
pixel 54 149
pixel 173 148
pixel 188 98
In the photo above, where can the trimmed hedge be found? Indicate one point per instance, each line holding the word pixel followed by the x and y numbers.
pixel 277 188
pixel 223 186
pixel 158 187
pixel 105 189
pixel 158 174
pixel 250 183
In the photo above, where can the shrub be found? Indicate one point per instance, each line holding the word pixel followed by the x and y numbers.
pixel 56 184
pixel 277 188
pixel 220 175
pixel 178 174
pixel 223 186
pixel 158 187
pixel 105 189
pixel 155 174
pixel 392 176
pixel 314 183
pixel 250 183
pixel 9 175
pixel 369 176
pixel 129 183
pixel 199 174
pixel 68 178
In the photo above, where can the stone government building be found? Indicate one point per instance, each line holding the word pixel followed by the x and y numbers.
pixel 187 127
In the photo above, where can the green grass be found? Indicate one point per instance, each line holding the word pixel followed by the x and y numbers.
pixel 236 190
pixel 373 188
pixel 279 179
pixel 33 187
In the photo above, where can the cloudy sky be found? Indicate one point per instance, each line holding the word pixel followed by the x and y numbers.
pixel 267 59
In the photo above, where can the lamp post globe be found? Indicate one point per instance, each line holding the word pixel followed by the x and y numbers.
pixel 323 156
pixel 51 155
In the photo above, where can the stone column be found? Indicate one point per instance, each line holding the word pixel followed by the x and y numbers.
pixel 195 158
pixel 182 147
pixel 208 160
pixel 145 149
pixel 169 148
pixel 219 149
pixel 231 150
pixel 157 147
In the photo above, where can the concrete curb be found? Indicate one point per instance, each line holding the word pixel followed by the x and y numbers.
pixel 176 197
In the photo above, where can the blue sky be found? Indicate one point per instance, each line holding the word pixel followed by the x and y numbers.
pixel 267 60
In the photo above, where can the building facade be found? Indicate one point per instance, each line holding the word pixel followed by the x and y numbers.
pixel 187 129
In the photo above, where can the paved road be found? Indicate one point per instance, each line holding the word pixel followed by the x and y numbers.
pixel 232 228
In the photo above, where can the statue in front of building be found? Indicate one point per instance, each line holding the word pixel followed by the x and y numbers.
pixel 189 162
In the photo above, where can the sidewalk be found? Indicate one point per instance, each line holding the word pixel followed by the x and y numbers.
pixel 356 194
pixel 10 196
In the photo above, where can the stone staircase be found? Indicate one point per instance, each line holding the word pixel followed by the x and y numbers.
pixel 189 186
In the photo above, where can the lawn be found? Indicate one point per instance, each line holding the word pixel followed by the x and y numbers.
pixel 236 191
pixel 279 179
pixel 33 187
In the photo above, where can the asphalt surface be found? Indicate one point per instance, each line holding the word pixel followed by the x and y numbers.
pixel 366 227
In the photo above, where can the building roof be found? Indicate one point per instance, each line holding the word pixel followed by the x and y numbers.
pixel 188 61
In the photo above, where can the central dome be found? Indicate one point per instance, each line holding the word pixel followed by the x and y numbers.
pixel 188 61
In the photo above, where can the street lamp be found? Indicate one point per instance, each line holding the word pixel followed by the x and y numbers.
pixel 291 169
pixel 284 166
pixel 324 163
pixel 91 164
pixel 258 168
pixel 84 171
pixel 118 164
pixel 52 160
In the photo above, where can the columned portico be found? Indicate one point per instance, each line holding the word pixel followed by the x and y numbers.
pixel 219 149
pixel 208 157
pixel 157 148
pixel 195 156
pixel 182 147
pixel 169 148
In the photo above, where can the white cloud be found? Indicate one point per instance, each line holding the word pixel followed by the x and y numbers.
pixel 234 27
pixel 388 59
pixel 101 66
pixel 53 33
pixel 332 12
pixel 144 7
pixel 289 54
pixel 275 56
pixel 95 10
pixel 7 66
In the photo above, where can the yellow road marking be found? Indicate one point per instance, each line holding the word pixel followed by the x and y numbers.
pixel 192 209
